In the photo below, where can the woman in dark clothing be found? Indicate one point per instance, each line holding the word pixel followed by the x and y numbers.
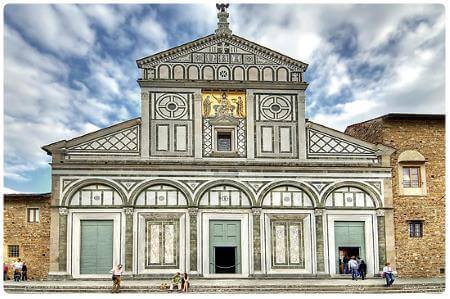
pixel 362 269
pixel 185 283
pixel 24 272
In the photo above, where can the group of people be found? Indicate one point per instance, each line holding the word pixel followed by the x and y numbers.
pixel 20 270
pixel 357 267
pixel 181 282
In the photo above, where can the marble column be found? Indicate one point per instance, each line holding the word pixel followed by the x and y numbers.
pixel 193 212
pixel 257 239
pixel 128 239
pixel 320 258
pixel 63 212
pixel 381 239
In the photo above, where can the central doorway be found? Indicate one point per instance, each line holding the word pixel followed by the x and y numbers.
pixel 225 246
pixel 349 241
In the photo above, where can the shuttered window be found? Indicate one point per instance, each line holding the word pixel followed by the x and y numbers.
pixel 33 215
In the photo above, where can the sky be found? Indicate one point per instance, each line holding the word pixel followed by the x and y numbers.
pixel 71 69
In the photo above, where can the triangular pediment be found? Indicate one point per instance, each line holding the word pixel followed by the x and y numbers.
pixel 222 49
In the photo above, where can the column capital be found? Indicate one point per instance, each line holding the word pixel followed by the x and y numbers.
pixel 256 211
pixel 318 212
pixel 193 211
pixel 63 211
pixel 128 211
pixel 380 212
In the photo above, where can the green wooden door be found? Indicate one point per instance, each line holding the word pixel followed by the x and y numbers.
pixel 349 234
pixel 224 233
pixel 96 252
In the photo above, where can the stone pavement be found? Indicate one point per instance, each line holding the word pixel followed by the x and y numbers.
pixel 201 285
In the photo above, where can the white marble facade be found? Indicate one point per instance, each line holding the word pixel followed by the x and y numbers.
pixel 248 155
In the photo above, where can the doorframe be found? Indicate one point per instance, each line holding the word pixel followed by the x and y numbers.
pixel 74 240
pixel 370 238
pixel 245 242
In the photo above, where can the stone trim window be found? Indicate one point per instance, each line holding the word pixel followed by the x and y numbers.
pixel 411 177
pixel 287 244
pixel 416 229
pixel 162 239
pixel 33 215
pixel 13 251
pixel 411 173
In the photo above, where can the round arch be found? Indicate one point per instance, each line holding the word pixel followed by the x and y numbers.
pixel 135 194
pixel 205 187
pixel 79 185
pixel 359 185
pixel 302 186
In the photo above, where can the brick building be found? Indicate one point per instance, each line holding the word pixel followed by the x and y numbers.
pixel 26 227
pixel 418 183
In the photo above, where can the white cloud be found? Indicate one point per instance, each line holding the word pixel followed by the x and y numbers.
pixel 63 29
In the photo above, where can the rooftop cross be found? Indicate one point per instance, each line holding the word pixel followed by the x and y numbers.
pixel 222 15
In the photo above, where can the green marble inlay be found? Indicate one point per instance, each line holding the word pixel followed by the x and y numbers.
pixel 319 244
pixel 381 242
pixel 129 243
pixel 62 243
pixel 257 242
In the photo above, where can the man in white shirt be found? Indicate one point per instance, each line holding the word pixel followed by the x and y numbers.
pixel 17 267
pixel 388 274
pixel 353 266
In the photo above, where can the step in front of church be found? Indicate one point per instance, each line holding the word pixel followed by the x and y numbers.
pixel 243 286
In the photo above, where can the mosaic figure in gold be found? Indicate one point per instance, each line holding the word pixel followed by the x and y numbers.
pixel 221 103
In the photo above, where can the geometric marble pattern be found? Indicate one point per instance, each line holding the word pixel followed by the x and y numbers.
pixel 349 197
pixel 126 140
pixel 207 138
pixel 241 138
pixel 320 143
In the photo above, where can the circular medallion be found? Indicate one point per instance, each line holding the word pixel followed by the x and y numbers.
pixel 275 107
pixel 171 106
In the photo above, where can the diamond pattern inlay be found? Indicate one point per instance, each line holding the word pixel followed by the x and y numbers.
pixel 126 140
pixel 320 143
pixel 207 138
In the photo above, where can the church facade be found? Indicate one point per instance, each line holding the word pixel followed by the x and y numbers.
pixel 220 176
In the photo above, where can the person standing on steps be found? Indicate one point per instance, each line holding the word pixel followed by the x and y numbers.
pixel 362 269
pixel 388 274
pixel 17 268
pixel 117 278
pixel 353 266
pixel 24 272
pixel 5 271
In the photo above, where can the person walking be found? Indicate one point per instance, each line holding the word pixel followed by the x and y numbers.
pixel 17 268
pixel 353 266
pixel 185 282
pixel 24 272
pixel 362 269
pixel 388 274
pixel 5 271
pixel 117 278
